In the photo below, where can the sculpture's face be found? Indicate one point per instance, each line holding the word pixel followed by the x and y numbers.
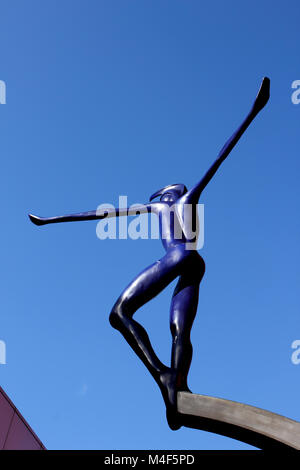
pixel 170 193
pixel 170 197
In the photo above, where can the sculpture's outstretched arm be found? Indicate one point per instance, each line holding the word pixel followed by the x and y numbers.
pixel 91 215
pixel 259 103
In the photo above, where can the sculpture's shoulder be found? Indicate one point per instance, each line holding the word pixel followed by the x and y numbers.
pixel 159 207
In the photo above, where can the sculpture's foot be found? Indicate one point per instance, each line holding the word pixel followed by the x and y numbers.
pixel 183 388
pixel 167 385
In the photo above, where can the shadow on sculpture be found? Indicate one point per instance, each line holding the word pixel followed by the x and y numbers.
pixel 181 261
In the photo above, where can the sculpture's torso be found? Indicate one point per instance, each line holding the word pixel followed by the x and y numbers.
pixel 178 223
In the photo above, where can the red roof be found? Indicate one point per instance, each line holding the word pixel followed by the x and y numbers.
pixel 15 432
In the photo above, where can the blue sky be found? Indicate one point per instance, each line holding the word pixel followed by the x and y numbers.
pixel 109 98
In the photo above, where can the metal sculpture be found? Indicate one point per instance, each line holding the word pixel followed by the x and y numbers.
pixel 180 261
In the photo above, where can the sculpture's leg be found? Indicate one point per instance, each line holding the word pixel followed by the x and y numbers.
pixel 182 313
pixel 146 286
pixel 183 310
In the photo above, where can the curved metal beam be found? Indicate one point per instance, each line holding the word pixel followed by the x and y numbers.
pixel 249 424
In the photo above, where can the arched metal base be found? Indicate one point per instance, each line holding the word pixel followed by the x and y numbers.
pixel 245 423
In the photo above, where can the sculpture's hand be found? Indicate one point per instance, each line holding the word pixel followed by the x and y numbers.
pixel 36 220
pixel 260 101
pixel 262 96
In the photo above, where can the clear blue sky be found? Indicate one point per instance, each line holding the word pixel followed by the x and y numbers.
pixel 109 98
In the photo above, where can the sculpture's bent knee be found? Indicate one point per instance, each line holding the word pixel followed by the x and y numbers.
pixel 115 319
pixel 117 314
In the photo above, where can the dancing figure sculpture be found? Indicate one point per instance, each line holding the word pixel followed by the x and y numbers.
pixel 180 261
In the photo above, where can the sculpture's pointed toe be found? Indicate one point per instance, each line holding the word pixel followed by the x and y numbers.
pixel 173 419
pixel 167 384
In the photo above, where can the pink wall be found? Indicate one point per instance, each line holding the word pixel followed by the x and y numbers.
pixel 15 433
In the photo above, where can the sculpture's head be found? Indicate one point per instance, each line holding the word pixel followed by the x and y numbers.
pixel 170 193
